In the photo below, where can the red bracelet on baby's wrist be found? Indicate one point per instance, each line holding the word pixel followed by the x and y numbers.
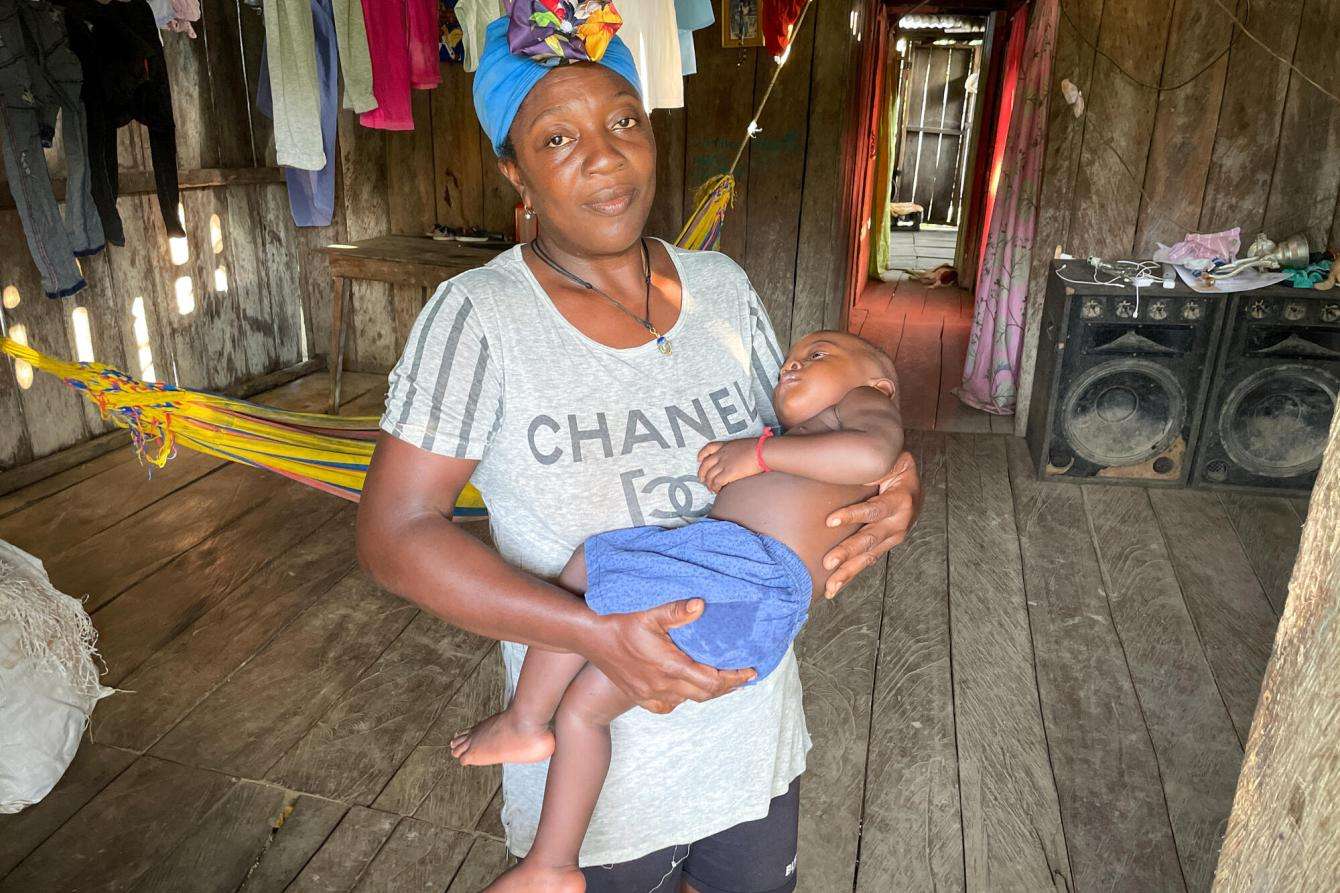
pixel 758 448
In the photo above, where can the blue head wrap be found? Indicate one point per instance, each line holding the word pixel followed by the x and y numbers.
pixel 503 79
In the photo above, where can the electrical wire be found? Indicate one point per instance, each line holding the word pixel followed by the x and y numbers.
pixel 1268 49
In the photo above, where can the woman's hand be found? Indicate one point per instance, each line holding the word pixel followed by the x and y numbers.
pixel 723 461
pixel 885 519
pixel 636 653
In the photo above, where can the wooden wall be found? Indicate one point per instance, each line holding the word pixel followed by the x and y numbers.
pixel 786 228
pixel 239 329
pixel 1191 127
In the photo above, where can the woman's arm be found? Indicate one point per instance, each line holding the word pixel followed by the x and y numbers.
pixel 409 545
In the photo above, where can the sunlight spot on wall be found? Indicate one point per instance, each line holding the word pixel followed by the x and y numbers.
pixel 179 248
pixel 140 328
pixel 216 233
pixel 185 289
pixel 22 370
pixel 221 279
pixel 83 334
pixel 11 297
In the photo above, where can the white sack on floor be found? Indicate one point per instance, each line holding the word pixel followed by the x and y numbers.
pixel 48 680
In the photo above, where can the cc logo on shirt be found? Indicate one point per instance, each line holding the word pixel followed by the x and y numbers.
pixel 663 498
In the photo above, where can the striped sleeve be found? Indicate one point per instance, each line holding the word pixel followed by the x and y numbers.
pixel 765 360
pixel 445 394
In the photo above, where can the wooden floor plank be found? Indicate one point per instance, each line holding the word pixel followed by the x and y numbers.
pixel 1198 751
pixel 1113 811
pixel 307 823
pixel 1269 531
pixel 418 856
pixel 885 332
pixel 360 742
pixel 430 785
pixel 347 853
pixel 1011 817
pixel 93 769
pixel 909 297
pixel 181 674
pixel 951 413
pixel 1232 615
pixel 250 721
pixel 123 831
pixel 918 365
pixel 220 849
pixel 837 667
pixel 912 835
pixel 1001 424
pixel 486 860
pixel 50 486
pixel 151 613
pixel 942 302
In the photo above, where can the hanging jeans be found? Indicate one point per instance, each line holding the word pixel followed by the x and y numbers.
pixel 311 193
pixel 39 78
pixel 297 88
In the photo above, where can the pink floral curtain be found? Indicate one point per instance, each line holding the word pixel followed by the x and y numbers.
pixel 992 365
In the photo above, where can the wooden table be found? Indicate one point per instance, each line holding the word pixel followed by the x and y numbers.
pixel 398 260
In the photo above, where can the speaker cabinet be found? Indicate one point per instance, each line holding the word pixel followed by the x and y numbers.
pixel 1120 380
pixel 1276 382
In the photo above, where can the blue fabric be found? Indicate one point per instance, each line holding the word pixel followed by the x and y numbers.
pixel 691 15
pixel 311 194
pixel 757 591
pixel 503 80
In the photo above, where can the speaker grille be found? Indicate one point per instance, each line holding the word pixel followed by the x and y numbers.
pixel 1123 412
pixel 1275 421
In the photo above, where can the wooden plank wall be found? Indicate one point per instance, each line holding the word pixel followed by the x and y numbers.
pixel 785 227
pixel 247 321
pixel 1191 126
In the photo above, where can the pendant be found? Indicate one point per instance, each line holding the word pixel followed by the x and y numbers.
pixel 663 345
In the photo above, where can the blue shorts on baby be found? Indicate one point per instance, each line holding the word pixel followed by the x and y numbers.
pixel 755 589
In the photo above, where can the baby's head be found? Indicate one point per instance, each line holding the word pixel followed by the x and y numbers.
pixel 821 368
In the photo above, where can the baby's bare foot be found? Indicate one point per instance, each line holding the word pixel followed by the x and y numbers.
pixel 503 738
pixel 525 878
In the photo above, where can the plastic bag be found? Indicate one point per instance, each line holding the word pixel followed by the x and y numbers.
pixel 48 679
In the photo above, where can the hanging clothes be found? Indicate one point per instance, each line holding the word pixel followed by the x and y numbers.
pixel 311 193
pixel 652 35
pixel 296 90
pixel 402 40
pixel 474 17
pixel 125 79
pixel 690 16
pixel 450 40
pixel 39 79
pixel 776 18
pixel 991 369
pixel 176 15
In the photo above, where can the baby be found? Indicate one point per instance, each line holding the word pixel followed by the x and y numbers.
pixel 756 561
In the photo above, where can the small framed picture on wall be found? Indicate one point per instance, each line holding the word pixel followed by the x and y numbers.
pixel 739 24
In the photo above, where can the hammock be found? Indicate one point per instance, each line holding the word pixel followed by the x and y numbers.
pixel 330 453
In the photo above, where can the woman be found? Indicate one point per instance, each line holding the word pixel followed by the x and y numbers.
pixel 574 381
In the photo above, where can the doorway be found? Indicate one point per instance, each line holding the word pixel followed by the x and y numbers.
pixel 935 122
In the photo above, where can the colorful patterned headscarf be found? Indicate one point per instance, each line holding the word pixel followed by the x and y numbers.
pixel 507 75
pixel 562 30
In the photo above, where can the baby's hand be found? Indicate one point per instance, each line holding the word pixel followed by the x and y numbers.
pixel 723 461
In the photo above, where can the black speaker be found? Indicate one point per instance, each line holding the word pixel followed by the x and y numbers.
pixel 1269 413
pixel 1120 379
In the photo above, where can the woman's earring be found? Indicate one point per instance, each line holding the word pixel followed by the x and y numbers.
pixel 530 215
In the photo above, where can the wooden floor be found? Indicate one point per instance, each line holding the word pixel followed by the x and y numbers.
pixel 925 330
pixel 1048 687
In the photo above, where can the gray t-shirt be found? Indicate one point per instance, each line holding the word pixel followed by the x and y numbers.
pixel 574 438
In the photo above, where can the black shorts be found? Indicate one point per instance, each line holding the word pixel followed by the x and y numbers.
pixel 752 857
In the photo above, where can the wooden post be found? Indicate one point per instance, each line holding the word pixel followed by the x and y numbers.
pixel 1284 831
